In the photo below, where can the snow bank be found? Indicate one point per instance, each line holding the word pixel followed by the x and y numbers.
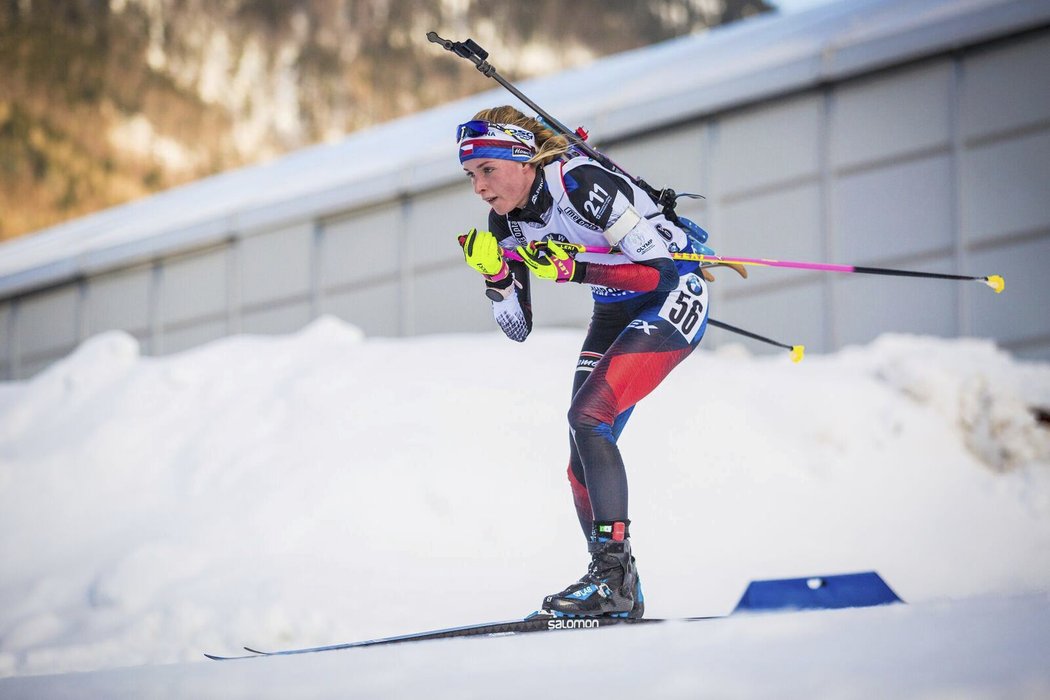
pixel 321 486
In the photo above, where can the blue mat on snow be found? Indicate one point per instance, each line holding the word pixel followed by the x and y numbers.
pixel 817 593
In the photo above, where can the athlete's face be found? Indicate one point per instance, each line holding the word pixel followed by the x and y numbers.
pixel 503 184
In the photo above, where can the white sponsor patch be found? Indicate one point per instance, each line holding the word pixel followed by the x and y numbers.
pixel 686 307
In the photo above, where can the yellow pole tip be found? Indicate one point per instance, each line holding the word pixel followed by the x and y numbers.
pixel 996 282
pixel 797 352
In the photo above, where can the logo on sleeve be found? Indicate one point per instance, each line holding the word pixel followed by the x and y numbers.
pixel 645 247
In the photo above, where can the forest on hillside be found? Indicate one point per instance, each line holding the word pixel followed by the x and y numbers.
pixel 105 101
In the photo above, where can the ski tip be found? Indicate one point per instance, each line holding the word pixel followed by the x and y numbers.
pixel 253 655
pixel 797 353
pixel 996 282
pixel 216 657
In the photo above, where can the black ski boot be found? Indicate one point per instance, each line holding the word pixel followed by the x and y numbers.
pixel 610 587
pixel 639 598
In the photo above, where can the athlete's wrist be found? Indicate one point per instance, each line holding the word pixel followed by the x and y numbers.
pixel 501 289
pixel 501 277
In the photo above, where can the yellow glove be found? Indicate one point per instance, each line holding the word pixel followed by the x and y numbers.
pixel 482 251
pixel 558 264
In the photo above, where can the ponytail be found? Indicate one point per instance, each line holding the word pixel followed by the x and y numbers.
pixel 550 146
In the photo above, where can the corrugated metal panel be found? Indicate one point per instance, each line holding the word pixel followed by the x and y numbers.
pixel 867 307
pixel 768 145
pixel 48 322
pixel 892 115
pixel 362 248
pixel 433 221
pixel 790 314
pixel 1004 187
pixel 432 292
pixel 276 265
pixel 178 338
pixel 6 336
pixel 195 287
pixel 278 319
pixel 119 301
pixel 375 309
pixel 990 103
pixel 1024 320
pixel 783 223
pixel 898 210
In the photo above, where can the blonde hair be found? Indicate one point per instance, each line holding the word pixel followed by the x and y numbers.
pixel 549 146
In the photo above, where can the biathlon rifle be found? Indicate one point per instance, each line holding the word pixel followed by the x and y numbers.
pixel 666 198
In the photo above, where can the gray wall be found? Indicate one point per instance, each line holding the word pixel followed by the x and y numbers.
pixel 940 165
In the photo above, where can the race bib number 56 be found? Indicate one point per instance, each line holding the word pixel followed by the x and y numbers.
pixel 686 307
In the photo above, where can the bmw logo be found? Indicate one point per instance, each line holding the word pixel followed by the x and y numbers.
pixel 693 283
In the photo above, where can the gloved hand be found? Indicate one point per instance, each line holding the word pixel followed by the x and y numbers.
pixel 482 251
pixel 558 265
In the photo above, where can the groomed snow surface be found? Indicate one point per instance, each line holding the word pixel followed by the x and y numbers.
pixel 323 487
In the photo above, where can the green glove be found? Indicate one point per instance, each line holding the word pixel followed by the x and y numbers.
pixel 482 251
pixel 557 265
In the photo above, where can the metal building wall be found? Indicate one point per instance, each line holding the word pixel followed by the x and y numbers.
pixel 942 165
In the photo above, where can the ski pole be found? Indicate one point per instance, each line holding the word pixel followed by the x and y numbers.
pixel 996 282
pixel 510 254
pixel 797 351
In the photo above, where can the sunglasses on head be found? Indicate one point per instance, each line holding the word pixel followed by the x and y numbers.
pixel 472 129
pixel 479 127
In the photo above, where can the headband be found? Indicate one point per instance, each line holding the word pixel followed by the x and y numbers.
pixel 481 139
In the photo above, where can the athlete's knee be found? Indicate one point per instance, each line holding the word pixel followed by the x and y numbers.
pixel 589 417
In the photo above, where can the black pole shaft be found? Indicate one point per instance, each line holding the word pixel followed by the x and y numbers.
pixel 747 334
pixel 912 273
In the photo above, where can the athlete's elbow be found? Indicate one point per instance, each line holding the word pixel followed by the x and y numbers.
pixel 517 328
pixel 668 276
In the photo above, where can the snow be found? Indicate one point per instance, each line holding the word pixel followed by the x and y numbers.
pixel 322 487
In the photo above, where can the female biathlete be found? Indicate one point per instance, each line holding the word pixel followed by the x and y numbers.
pixel 649 313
